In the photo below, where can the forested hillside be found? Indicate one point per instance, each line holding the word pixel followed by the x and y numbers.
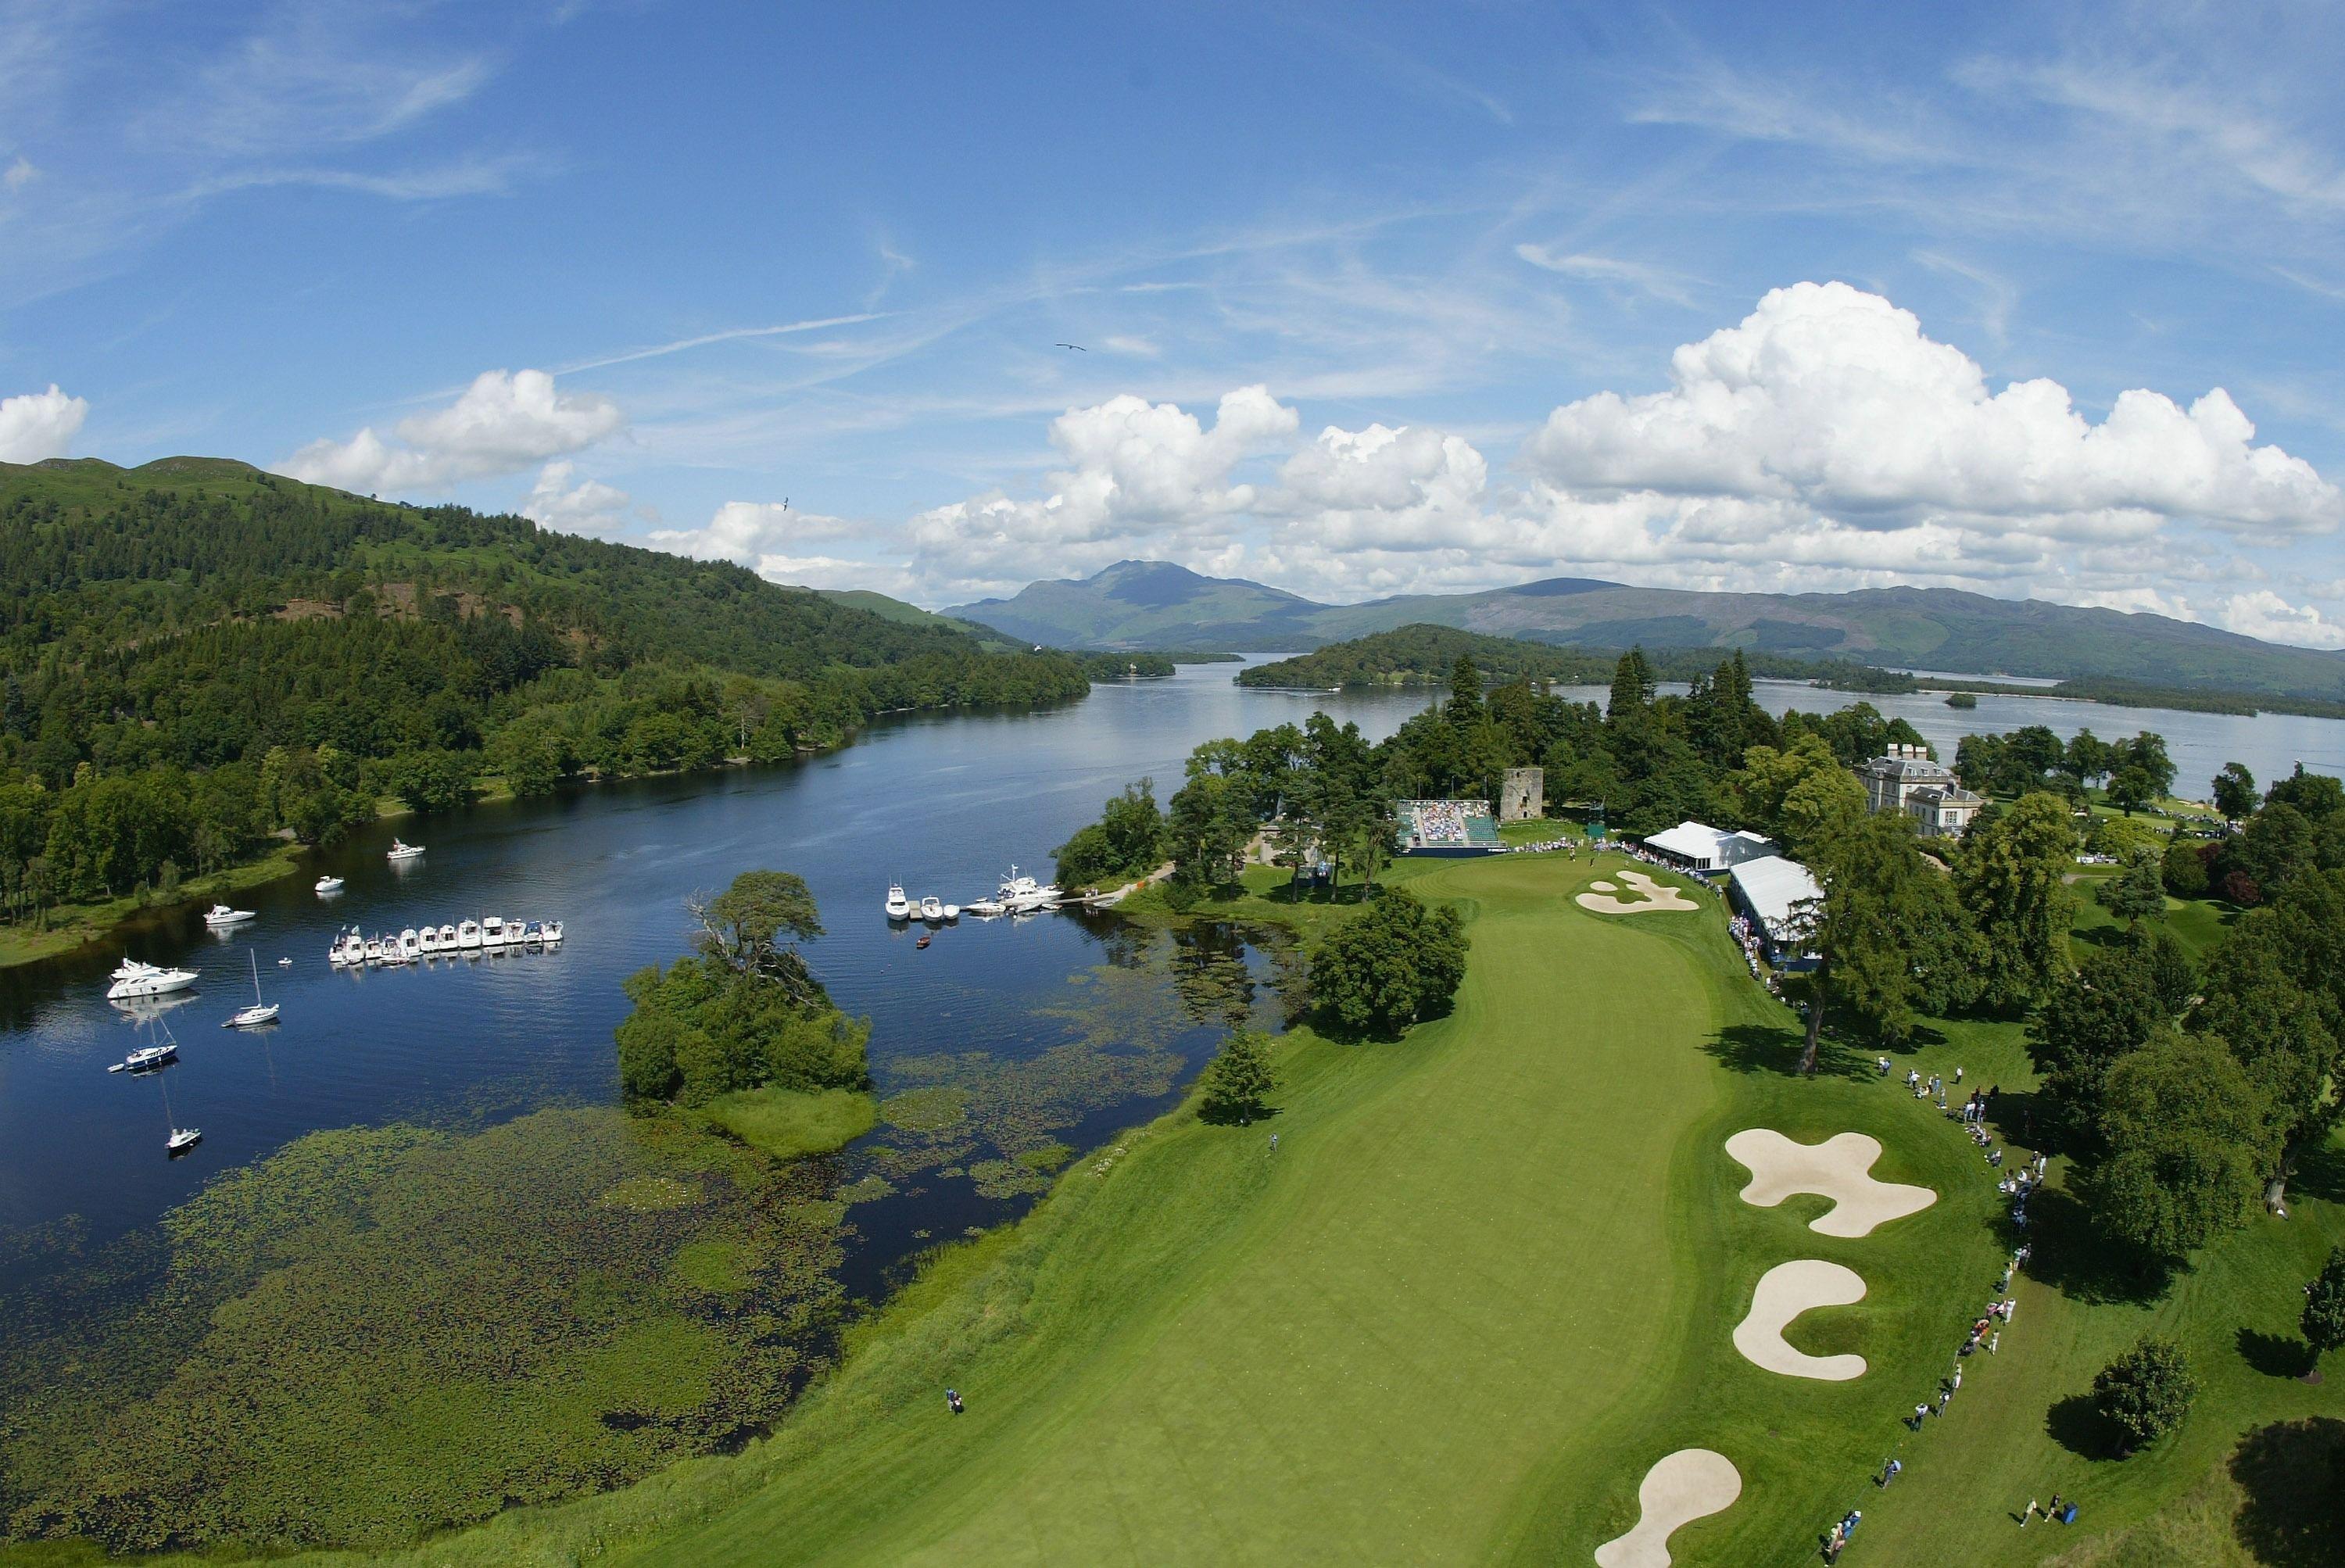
pixel 195 656
pixel 1426 654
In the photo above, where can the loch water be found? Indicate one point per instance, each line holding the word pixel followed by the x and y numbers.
pixel 945 803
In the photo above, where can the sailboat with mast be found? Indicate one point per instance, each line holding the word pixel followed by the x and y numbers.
pixel 182 1139
pixel 260 1011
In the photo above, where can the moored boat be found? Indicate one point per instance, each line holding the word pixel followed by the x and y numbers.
pixel 402 851
pixel 260 1011
pixel 221 915
pixel 132 979
pixel 468 936
pixel 932 908
pixel 898 906
pixel 327 885
pixel 493 931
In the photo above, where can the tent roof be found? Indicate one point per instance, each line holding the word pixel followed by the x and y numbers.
pixel 1774 888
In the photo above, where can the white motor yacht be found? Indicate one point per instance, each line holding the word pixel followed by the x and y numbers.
pixel 374 950
pixel 260 1011
pixel 348 949
pixel 411 945
pixel 401 852
pixel 183 1139
pixel 327 885
pixel 427 940
pixel 1021 895
pixel 447 939
pixel 985 909
pixel 132 978
pixel 468 936
pixel 221 915
pixel 493 931
pixel 898 906
pixel 146 1058
pixel 552 933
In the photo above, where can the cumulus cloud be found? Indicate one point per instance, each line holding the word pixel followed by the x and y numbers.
pixel 749 531
pixel 1833 401
pixel 590 507
pixel 1135 470
pixel 2264 614
pixel 34 425
pixel 1409 488
pixel 503 422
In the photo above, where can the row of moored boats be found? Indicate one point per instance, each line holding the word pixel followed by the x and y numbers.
pixel 1016 896
pixel 355 950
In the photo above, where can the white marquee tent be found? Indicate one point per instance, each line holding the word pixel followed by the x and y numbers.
pixel 1703 848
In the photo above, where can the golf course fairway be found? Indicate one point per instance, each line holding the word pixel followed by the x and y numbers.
pixel 1488 1279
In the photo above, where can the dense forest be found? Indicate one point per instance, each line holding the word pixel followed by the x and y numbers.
pixel 199 656
pixel 1425 655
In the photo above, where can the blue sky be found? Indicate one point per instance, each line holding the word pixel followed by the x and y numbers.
pixel 1371 299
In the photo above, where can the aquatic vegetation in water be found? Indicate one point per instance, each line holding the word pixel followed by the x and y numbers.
pixel 1007 1179
pixel 379 1332
pixel 869 1189
pixel 927 1110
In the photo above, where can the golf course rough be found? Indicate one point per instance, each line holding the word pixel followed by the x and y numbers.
pixel 1690 1484
pixel 1783 1293
pixel 1659 897
pixel 1839 1168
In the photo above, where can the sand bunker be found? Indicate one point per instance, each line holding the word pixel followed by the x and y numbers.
pixel 1784 1292
pixel 1690 1484
pixel 1602 888
pixel 1836 1168
pixel 1658 896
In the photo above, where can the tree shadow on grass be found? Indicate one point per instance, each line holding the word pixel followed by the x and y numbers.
pixel 2075 1259
pixel 2275 1355
pixel 2321 1174
pixel 1763 1048
pixel 2077 1424
pixel 2293 1473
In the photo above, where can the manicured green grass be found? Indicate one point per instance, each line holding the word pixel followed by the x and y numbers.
pixel 2199 923
pixel 1485 1281
pixel 787 1123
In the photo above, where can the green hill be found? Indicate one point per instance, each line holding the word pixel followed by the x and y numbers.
pixel 197 656
pixel 1156 604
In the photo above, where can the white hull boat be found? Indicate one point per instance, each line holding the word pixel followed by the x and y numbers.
pixel 493 933
pixel 219 915
pixel 952 911
pixel 551 931
pixel 348 951
pixel 410 946
pixel 260 1011
pixel 146 1058
pixel 468 936
pixel 447 939
pixel 932 909
pixel 399 851
pixel 1024 895
pixel 134 979
pixel 427 941
pixel 182 1139
pixel 326 885
pixel 985 909
pixel 898 906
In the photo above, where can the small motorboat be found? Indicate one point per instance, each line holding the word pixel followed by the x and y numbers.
pixel 551 931
pixel 327 885
pixel 925 939
pixel 374 950
pixel 402 851
pixel 411 945
pixel 447 939
pixel 468 936
pixel 259 1012
pixel 493 931
pixel 146 1058
pixel 898 906
pixel 952 911
pixel 932 908
pixel 427 940
pixel 284 964
pixel 134 979
pixel 220 914
pixel 182 1139
pixel 984 908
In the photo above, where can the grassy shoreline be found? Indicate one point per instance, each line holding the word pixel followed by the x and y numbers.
pixel 73 927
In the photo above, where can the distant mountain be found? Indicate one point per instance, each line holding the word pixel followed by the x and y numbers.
pixel 1152 605
pixel 1156 604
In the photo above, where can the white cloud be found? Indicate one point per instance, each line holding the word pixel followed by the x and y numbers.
pixel 590 507
pixel 2264 614
pixel 1657 281
pixel 753 531
pixel 1138 347
pixel 1136 469
pixel 20 174
pixel 503 422
pixel 34 425
pixel 1833 400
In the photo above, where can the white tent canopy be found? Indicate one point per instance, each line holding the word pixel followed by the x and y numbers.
pixel 1779 894
pixel 1709 848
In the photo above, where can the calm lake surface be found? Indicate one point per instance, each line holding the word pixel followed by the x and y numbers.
pixel 943 803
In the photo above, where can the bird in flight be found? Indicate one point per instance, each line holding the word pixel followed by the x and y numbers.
pixel 1077 347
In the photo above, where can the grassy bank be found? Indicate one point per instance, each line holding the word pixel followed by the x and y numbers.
pixel 72 926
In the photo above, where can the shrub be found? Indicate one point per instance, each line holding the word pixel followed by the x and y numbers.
pixel 2324 1305
pixel 2146 1392
pixel 2185 869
